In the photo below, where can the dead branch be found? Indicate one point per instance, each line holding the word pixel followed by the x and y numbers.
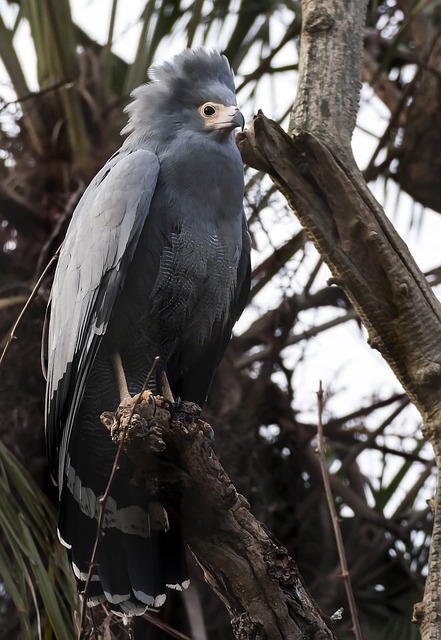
pixel 251 573
pixel 374 267
pixel 334 517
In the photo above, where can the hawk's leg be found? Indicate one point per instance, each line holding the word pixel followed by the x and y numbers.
pixel 124 394
pixel 166 392
pixel 121 381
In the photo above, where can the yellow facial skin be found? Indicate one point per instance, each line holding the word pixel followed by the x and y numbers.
pixel 218 116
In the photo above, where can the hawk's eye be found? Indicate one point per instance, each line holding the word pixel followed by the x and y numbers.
pixel 208 110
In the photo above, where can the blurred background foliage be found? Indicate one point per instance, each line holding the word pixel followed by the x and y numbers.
pixel 62 94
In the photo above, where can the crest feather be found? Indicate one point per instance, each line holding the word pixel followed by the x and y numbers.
pixel 190 78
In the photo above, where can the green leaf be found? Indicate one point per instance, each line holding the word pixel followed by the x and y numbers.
pixel 28 565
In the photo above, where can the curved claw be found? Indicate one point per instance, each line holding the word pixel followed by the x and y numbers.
pixel 209 434
pixel 172 406
pixel 152 401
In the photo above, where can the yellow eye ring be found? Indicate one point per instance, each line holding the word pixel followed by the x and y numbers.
pixel 207 110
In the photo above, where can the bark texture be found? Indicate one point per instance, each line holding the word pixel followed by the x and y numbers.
pixel 316 172
pixel 374 267
pixel 251 573
pixel 329 79
pixel 367 257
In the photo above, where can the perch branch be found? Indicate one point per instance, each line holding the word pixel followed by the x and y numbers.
pixel 251 573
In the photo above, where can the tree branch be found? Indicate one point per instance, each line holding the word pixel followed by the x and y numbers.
pixel 374 267
pixel 316 172
pixel 251 573
pixel 366 256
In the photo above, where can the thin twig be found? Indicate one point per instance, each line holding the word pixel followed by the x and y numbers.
pixel 249 358
pixel 173 633
pixel 67 84
pixel 265 64
pixel 103 500
pixel 34 292
pixel 334 517
pixel 371 439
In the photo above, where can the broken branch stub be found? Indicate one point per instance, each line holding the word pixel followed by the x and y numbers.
pixel 252 574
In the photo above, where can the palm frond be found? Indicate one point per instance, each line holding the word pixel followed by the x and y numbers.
pixel 29 568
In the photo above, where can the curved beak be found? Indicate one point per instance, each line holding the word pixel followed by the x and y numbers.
pixel 238 120
pixel 226 117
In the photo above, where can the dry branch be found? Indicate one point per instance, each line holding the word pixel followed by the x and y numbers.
pixel 316 172
pixel 252 574
pixel 366 256
pixel 334 517
pixel 372 264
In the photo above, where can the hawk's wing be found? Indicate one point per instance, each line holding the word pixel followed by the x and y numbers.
pixel 93 262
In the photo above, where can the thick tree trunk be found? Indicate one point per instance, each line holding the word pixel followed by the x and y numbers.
pixel 251 573
pixel 330 70
pixel 316 172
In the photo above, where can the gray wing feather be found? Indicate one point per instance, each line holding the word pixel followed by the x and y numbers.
pixel 99 245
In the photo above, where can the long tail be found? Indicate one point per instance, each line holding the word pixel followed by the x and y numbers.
pixel 139 554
